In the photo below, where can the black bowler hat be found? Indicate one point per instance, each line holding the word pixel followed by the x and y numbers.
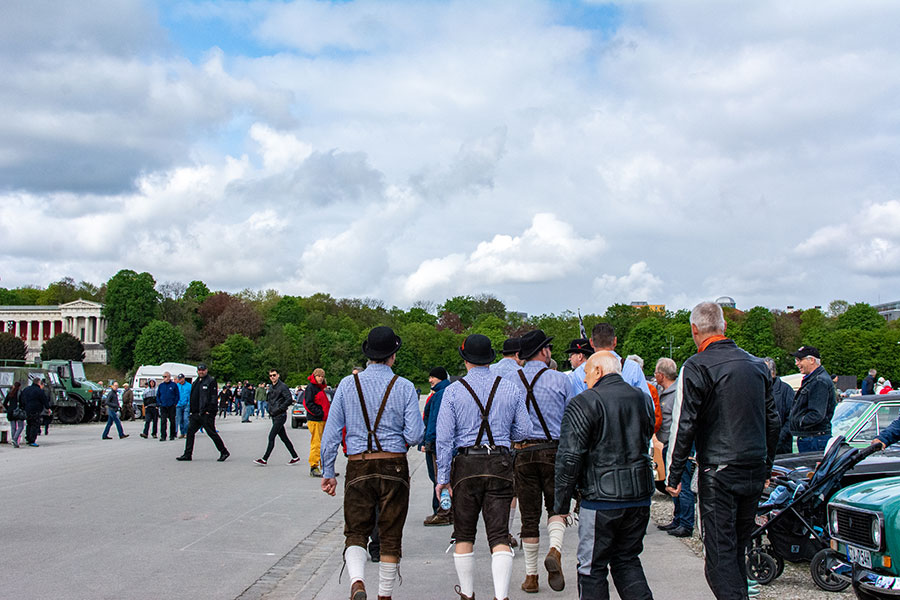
pixel 477 350
pixel 804 351
pixel 381 343
pixel 581 345
pixel 512 345
pixel 532 342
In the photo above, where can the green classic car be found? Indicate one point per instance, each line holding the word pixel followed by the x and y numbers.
pixel 864 523
pixel 860 418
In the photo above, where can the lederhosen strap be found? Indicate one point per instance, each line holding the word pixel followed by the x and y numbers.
pixel 362 403
pixel 485 410
pixel 531 401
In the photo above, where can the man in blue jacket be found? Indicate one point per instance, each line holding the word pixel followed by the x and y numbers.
pixel 439 379
pixel 167 396
pixel 183 408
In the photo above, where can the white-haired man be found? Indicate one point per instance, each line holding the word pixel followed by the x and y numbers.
pixel 604 436
pixel 814 402
pixel 725 408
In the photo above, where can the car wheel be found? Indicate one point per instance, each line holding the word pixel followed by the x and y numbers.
pixel 295 423
pixel 822 576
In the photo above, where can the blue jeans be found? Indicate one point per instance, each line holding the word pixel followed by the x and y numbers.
pixel 113 417
pixel 15 430
pixel 181 418
pixel 248 410
pixel 812 443
pixel 261 407
pixel 684 502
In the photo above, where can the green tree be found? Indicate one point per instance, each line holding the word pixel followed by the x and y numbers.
pixel 131 303
pixel 837 307
pixel 649 340
pixel 622 317
pixel 235 359
pixel 11 347
pixel 159 342
pixel 861 316
pixel 64 346
pixel 196 291
pixel 756 334
pixel 464 307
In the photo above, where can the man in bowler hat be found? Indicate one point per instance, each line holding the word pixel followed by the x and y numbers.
pixel 380 411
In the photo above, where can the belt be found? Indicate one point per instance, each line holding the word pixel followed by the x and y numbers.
pixel 375 455
pixel 483 450
pixel 536 444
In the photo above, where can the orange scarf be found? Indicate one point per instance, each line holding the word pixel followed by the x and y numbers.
pixel 710 340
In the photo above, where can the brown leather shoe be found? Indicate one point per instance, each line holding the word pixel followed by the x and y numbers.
pixel 553 564
pixel 358 591
pixel 384 598
pixel 530 584
pixel 463 596
pixel 441 517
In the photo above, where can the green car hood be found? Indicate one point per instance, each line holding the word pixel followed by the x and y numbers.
pixel 879 494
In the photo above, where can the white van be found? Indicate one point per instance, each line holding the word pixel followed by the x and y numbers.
pixel 147 372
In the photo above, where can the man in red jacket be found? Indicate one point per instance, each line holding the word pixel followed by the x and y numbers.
pixel 316 403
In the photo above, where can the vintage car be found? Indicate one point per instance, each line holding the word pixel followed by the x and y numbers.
pixel 864 524
pixel 860 418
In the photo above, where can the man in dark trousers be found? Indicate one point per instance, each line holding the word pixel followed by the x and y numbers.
pixel 724 407
pixel 784 400
pixel 814 402
pixel 33 401
pixel 204 395
pixel 603 451
pixel 167 395
pixel 279 400
pixel 439 379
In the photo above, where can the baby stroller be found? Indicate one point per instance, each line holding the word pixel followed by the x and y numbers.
pixel 793 519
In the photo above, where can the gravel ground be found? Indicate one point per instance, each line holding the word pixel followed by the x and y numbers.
pixel 794 584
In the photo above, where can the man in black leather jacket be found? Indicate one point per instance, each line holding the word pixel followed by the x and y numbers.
pixel 204 406
pixel 724 407
pixel 814 403
pixel 603 451
pixel 279 400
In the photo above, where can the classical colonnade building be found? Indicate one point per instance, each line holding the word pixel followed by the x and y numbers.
pixel 37 324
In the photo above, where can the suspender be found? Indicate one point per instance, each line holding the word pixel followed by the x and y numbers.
pixel 485 410
pixel 531 401
pixel 362 404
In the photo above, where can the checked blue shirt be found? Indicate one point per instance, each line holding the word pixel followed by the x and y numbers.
pixel 401 424
pixel 505 366
pixel 552 393
pixel 460 419
pixel 631 373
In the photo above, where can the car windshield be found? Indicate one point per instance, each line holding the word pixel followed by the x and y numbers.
pixel 78 372
pixel 846 414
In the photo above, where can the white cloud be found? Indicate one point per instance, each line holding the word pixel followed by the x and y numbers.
pixel 639 284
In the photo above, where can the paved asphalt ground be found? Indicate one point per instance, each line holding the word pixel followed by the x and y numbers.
pixel 85 518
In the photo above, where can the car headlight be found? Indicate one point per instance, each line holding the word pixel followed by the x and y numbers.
pixel 876 532
pixel 834 522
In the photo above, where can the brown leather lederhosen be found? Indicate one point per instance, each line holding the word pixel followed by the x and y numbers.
pixel 481 478
pixel 377 482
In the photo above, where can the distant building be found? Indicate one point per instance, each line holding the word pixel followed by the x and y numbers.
pixel 660 308
pixel 888 310
pixel 726 302
pixel 37 324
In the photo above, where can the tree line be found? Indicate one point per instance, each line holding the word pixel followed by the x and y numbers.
pixel 243 334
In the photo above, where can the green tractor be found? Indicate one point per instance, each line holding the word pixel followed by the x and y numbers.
pixel 16 370
pixel 83 398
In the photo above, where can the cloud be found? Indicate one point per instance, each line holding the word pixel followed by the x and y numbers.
pixel 639 284
pixel 547 251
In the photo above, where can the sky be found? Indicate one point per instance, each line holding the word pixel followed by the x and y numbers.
pixel 558 155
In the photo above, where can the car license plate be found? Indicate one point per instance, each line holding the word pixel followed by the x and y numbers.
pixel 859 556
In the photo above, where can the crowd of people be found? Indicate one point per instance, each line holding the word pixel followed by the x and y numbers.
pixel 516 434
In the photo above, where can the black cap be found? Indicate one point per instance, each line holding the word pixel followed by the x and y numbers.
pixel 439 373
pixel 532 342
pixel 804 351
pixel 581 345
pixel 477 350
pixel 202 367
pixel 512 345
pixel 381 343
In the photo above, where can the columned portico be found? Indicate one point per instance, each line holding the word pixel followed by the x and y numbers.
pixel 36 324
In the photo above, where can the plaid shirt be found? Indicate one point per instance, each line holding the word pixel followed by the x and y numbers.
pixel 459 418
pixel 401 424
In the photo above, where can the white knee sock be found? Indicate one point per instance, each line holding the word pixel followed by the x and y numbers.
pixel 555 530
pixel 355 557
pixel 501 568
pixel 531 550
pixel 465 571
pixel 387 573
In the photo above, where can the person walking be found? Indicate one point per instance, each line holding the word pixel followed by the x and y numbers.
pixel 167 399
pixel 112 412
pixel 317 406
pixel 603 441
pixel 439 380
pixel 481 416
pixel 247 395
pixel 204 393
pixel 279 399
pixel 127 402
pixel 259 399
pixel 15 413
pixel 151 412
pixel 183 408
pixel 225 399
pixel 546 393
pixel 724 407
pixel 380 412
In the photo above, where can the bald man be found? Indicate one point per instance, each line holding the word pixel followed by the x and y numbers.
pixel 614 515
